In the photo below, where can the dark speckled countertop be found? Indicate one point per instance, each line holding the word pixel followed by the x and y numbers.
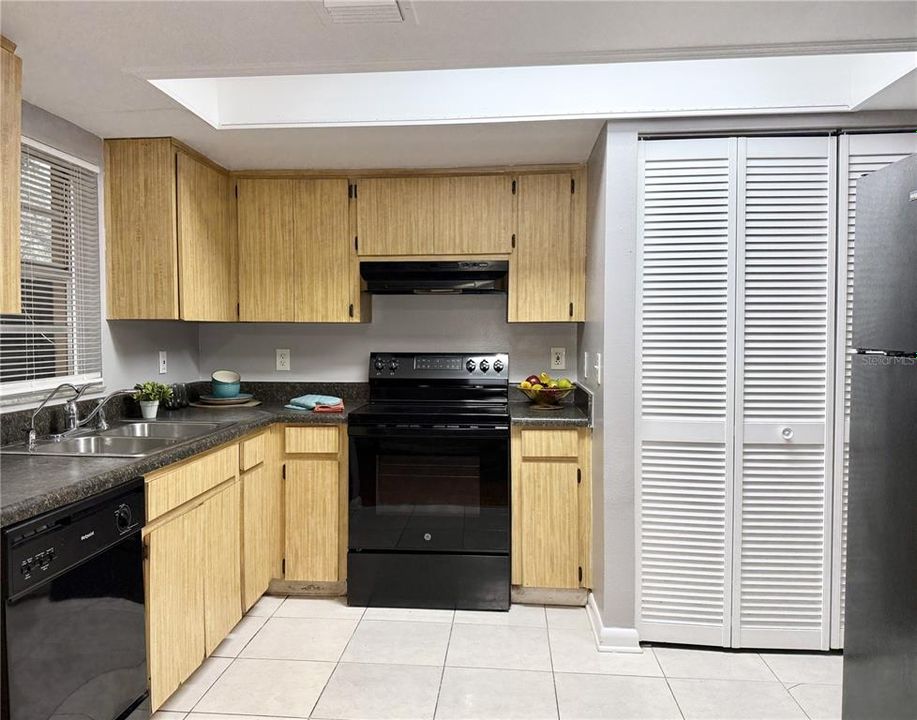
pixel 31 485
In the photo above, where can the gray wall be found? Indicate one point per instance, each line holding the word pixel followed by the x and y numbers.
pixel 400 322
pixel 591 339
pixel 130 350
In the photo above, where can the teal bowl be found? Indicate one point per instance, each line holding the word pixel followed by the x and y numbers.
pixel 225 383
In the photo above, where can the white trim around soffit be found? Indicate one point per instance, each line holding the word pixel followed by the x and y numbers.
pixel 611 639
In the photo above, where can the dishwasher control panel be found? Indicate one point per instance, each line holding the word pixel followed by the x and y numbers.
pixel 40 549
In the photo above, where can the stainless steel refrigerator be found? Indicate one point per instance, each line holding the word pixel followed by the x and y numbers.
pixel 880 635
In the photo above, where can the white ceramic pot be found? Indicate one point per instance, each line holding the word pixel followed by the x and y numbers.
pixel 149 408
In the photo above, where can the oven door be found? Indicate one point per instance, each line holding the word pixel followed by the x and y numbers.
pixel 429 490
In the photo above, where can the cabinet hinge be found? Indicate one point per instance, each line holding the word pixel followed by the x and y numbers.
pixel 146 551
pixel 283 566
pixel 356 244
pixel 514 187
pixel 514 240
pixel 237 191
pixel 284 471
pixel 572 186
pixel 579 572
pixel 350 191
pixel 571 309
pixel 238 310
pixel 351 310
pixel 579 476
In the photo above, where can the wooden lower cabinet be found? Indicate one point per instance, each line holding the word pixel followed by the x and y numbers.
pixel 551 498
pixel 221 530
pixel 262 512
pixel 315 521
pixel 174 602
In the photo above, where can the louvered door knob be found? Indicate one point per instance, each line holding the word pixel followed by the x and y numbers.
pixel 787 433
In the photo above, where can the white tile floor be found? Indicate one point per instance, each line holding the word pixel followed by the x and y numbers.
pixel 318 658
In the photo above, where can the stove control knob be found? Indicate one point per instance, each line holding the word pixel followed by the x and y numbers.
pixel 470 366
pixel 123 518
pixel 485 366
pixel 498 366
pixel 379 365
pixel 393 365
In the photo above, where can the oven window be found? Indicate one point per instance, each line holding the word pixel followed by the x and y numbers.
pixel 429 494
pixel 444 485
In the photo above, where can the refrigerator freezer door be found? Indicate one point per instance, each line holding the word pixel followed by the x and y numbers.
pixel 885 271
pixel 880 644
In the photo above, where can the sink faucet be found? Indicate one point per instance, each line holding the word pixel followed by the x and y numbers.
pixel 97 412
pixel 30 430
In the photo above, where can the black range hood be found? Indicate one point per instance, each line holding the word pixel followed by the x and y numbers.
pixel 422 277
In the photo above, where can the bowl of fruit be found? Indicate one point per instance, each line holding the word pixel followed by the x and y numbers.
pixel 545 391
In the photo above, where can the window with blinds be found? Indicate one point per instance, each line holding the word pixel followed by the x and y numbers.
pixel 58 336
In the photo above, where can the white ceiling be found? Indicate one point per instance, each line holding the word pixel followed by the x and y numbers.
pixel 89 62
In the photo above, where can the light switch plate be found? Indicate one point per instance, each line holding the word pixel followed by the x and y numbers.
pixel 558 358
pixel 283 359
pixel 163 363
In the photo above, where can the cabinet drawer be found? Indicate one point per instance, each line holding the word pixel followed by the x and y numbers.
pixel 321 439
pixel 550 443
pixel 252 452
pixel 169 488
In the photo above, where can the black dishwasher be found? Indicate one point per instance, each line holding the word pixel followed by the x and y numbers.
pixel 74 637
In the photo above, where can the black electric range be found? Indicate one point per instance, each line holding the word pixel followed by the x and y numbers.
pixel 429 500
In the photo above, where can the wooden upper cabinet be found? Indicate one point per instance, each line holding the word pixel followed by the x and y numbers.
pixel 10 159
pixel 395 216
pixel 547 271
pixel 168 236
pixel 473 215
pixel 267 272
pixel 325 260
pixel 206 245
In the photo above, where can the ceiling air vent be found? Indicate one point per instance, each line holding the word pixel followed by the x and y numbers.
pixel 363 11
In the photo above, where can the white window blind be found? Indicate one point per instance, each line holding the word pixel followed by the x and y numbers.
pixel 58 336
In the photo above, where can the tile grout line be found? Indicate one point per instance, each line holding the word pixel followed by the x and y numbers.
pixel 547 632
pixel 763 658
pixel 442 673
pixel 667 683
pixel 337 663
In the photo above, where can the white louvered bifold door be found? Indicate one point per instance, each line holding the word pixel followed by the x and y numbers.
pixel 685 390
pixel 784 393
pixel 858 155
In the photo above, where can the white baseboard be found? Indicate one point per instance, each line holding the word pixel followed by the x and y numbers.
pixel 611 639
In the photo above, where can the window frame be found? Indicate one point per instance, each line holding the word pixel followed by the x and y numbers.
pixel 22 391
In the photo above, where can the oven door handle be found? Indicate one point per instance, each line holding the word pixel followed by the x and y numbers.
pixel 459 433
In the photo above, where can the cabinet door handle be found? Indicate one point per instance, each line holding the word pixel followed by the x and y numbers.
pixel 786 433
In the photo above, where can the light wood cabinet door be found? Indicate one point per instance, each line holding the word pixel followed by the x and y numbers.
pixel 395 216
pixel 206 247
pixel 222 537
pixel 140 226
pixel 311 512
pixel 10 159
pixel 174 603
pixel 473 215
pixel 268 274
pixel 549 524
pixel 323 272
pixel 541 280
pixel 261 522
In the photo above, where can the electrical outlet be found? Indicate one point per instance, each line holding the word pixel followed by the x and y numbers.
pixel 163 363
pixel 598 368
pixel 558 358
pixel 283 360
pixel 585 365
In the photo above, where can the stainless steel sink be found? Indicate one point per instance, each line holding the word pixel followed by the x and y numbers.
pixel 123 439
pixel 172 430
pixel 93 446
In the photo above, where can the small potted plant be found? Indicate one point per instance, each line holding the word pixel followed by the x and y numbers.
pixel 149 394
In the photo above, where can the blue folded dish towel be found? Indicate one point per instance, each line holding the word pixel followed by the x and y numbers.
pixel 308 402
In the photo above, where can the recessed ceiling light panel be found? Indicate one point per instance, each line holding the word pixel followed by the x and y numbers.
pixel 363 11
